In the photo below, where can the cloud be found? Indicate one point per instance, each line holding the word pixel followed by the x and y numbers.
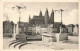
pixel 74 13
pixel 71 17
pixel 74 16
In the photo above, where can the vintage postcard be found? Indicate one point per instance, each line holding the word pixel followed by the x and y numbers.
pixel 40 25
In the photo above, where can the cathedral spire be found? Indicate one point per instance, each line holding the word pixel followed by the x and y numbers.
pixel 52 13
pixel 52 17
pixel 46 17
pixel 40 14
pixel 29 19
pixel 47 13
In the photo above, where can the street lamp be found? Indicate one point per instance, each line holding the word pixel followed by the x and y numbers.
pixel 61 10
pixel 61 14
pixel 19 8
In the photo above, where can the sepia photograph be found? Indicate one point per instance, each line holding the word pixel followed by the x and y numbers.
pixel 40 25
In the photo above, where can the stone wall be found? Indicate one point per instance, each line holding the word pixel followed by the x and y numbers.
pixel 21 37
pixel 48 38
pixel 54 37
pixel 63 37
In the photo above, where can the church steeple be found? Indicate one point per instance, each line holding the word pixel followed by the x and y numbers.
pixel 40 14
pixel 47 13
pixel 52 17
pixel 46 17
pixel 29 19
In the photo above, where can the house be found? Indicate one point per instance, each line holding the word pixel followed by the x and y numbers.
pixel 31 29
pixel 44 28
pixel 54 28
pixel 76 30
pixel 22 27
pixel 64 29
pixel 70 28
pixel 8 28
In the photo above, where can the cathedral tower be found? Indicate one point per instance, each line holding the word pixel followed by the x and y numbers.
pixel 29 19
pixel 46 17
pixel 40 14
pixel 52 17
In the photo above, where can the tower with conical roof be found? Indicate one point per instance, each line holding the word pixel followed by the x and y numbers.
pixel 46 17
pixel 40 14
pixel 52 17
pixel 29 19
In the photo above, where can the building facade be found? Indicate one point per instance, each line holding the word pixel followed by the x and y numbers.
pixel 76 30
pixel 70 28
pixel 22 27
pixel 8 28
pixel 51 21
pixel 46 19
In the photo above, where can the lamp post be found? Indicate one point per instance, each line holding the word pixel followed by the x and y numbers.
pixel 61 15
pixel 61 10
pixel 19 8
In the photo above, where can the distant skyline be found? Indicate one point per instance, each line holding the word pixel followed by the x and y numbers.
pixel 70 15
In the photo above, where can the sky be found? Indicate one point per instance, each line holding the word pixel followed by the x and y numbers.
pixel 69 15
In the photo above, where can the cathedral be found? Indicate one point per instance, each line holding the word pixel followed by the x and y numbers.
pixel 42 19
pixel 47 20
